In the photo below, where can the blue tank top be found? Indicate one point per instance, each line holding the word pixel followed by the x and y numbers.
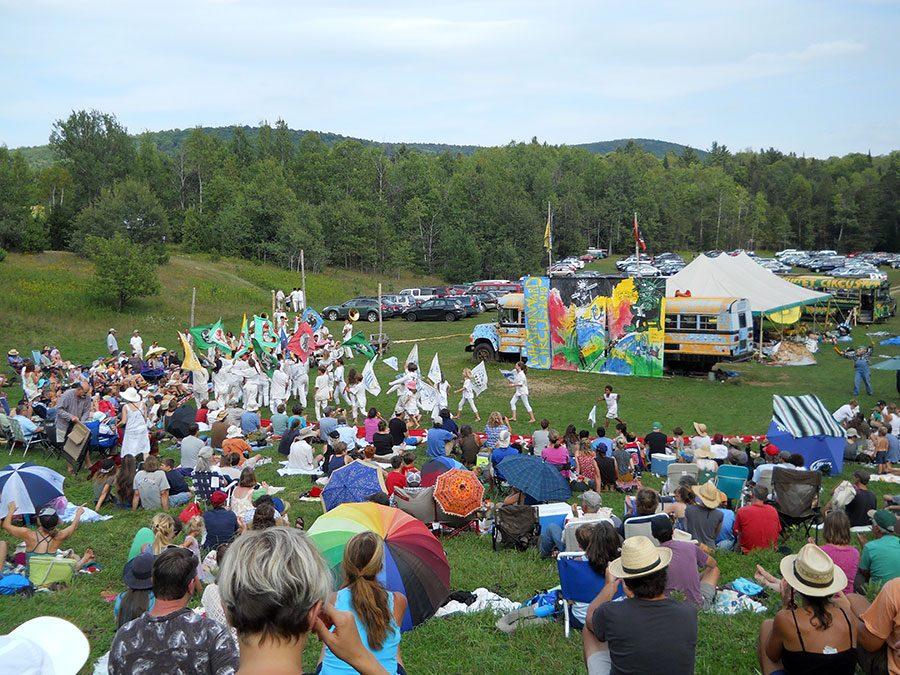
pixel 387 655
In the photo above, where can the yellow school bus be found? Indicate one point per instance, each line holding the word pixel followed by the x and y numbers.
pixel 708 329
pixel 871 297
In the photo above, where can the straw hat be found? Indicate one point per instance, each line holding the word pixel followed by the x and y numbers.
pixel 13 352
pixel 131 395
pixel 700 428
pixel 252 407
pixel 64 646
pixel 813 572
pixel 703 452
pixel 640 558
pixel 709 494
pixel 306 432
pixel 234 432
pixel 216 415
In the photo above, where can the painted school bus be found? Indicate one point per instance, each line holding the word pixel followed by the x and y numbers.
pixel 708 329
pixel 871 297
pixel 506 337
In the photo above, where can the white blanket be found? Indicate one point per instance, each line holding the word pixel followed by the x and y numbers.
pixel 484 600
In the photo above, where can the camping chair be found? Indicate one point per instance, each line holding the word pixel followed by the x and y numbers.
pixel 18 436
pixel 578 582
pixel 645 529
pixel 103 443
pixel 797 499
pixel 207 482
pixel 674 472
pixel 731 479
pixel 569 540
pixel 419 505
pixel 450 525
pixel 6 430
pixel 515 526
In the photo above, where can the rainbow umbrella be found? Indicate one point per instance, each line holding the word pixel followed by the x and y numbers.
pixel 459 492
pixel 434 468
pixel 414 560
pixel 353 482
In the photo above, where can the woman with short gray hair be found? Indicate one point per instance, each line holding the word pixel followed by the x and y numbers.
pixel 274 585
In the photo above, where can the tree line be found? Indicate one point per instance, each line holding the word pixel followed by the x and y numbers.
pixel 458 216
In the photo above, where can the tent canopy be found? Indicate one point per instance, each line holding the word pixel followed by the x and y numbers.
pixel 802 424
pixel 740 277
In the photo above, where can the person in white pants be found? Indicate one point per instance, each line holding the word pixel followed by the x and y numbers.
pixel 346 334
pixel 299 372
pixel 323 392
pixel 137 344
pixel 340 386
pixel 442 401
pixel 468 394
pixel 264 384
pixel 200 386
pixel 520 383
pixel 357 391
pixel 281 384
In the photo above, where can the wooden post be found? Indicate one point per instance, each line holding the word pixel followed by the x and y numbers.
pixel 193 303
pixel 303 278
pixel 380 335
pixel 273 304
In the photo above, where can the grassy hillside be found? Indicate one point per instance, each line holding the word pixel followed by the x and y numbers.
pixel 40 156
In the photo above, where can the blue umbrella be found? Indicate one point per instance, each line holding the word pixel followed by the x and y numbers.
pixel 537 479
pixel 30 486
pixel 354 482
pixel 449 462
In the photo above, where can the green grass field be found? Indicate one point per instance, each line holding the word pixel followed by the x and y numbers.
pixel 48 299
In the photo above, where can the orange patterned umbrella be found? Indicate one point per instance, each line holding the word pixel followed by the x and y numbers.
pixel 458 492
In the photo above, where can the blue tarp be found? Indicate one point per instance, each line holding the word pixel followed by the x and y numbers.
pixel 892 340
pixel 813 448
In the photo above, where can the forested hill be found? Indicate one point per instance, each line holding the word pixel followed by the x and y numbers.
pixel 171 140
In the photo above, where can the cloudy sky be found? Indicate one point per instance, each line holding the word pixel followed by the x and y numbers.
pixel 816 77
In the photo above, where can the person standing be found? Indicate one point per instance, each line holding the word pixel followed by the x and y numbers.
pixel 112 344
pixel 468 394
pixel 279 299
pixel 137 344
pixel 861 372
pixel 299 372
pixel 346 334
pixel 612 403
pixel 136 440
pixel 520 384
pixel 73 406
pixel 323 391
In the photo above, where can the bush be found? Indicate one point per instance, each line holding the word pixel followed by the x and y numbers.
pixel 2 254
pixel 122 269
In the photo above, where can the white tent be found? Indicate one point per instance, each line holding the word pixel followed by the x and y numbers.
pixel 740 277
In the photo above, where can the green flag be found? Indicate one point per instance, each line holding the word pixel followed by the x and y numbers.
pixel 266 358
pixel 358 343
pixel 264 332
pixel 209 336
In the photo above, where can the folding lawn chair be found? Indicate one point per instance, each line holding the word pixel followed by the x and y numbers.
pixel 451 526
pixel 578 582
pixel 18 436
pixel 419 505
pixel 515 526
pixel 207 482
pixel 797 499
pixel 731 479
pixel 6 429
pixel 674 472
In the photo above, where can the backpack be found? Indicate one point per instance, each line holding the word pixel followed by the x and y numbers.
pixel 515 526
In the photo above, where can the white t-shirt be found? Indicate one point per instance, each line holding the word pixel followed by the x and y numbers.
pixel 468 389
pixel 612 405
pixel 895 424
pixel 323 387
pixel 521 382
pixel 137 344
pixel 718 451
pixel 845 413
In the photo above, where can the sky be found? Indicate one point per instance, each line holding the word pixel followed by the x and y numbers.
pixel 817 77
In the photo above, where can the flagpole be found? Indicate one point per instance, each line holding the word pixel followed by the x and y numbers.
pixel 550 229
pixel 637 248
pixel 380 329
pixel 193 303
pixel 303 278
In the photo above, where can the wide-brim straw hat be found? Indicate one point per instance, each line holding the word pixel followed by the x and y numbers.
pixel 640 558
pixel 700 428
pixel 131 395
pixel 306 432
pixel 252 407
pixel 709 494
pixel 812 572
pixel 703 452
pixel 234 432
pixel 216 415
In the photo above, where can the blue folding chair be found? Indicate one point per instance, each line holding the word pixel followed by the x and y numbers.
pixel 578 581
pixel 731 479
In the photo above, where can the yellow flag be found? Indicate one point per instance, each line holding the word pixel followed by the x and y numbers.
pixel 547 241
pixel 190 359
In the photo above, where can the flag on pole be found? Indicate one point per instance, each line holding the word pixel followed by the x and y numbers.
pixel 358 343
pixel 283 337
pixel 264 332
pixel 592 416
pixel 313 318
pixel 637 235
pixel 391 362
pixel 301 342
pixel 243 345
pixel 370 382
pixel 548 235
pixel 190 359
pixel 267 360
pixel 413 355
pixel 479 378
pixel 209 336
pixel 434 373
pixel 428 396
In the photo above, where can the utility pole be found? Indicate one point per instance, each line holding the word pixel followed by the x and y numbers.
pixel 380 334
pixel 193 303
pixel 303 277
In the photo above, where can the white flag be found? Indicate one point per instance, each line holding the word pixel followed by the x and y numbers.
pixel 428 396
pixel 479 378
pixel 413 355
pixel 390 362
pixel 509 375
pixel 434 373
pixel 370 382
pixel 592 416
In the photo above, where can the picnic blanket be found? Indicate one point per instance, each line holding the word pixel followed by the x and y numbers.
pixel 285 470
pixel 484 600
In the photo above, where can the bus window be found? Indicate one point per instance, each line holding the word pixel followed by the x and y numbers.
pixel 708 322
pixel 671 321
pixel 509 316
pixel 742 321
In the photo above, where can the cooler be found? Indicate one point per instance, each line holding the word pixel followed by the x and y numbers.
pixel 659 463
pixel 553 513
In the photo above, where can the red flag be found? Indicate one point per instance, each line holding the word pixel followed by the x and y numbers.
pixel 637 235
pixel 301 342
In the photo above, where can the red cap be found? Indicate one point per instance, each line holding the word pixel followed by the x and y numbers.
pixel 217 498
pixel 772 449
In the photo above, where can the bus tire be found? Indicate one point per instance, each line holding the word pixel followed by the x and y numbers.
pixel 483 352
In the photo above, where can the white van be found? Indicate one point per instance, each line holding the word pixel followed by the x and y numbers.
pixel 418 294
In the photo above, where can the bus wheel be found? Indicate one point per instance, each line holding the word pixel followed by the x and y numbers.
pixel 483 352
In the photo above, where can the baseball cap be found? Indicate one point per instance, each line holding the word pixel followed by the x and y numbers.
pixel 883 519
pixel 217 498
pixel 656 426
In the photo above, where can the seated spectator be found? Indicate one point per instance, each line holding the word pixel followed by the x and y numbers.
pixel 297 414
pixel 338 459
pixel 555 538
pixel 727 540
pixel 556 453
pixel 691 572
pixel 879 631
pixel 301 457
pixel 179 492
pixel 436 440
pixel 147 643
pixel 211 601
pixel 370 424
pixel 234 444
pixel 632 636
pixel 279 421
pixel 447 422
pixel 221 524
pixel 397 428
pixel 602 445
pixel 863 502
pixel 646 511
pixel 104 482
pixel 813 631
pixel 837 545
pixel 718 451
pixel 138 598
pixel 218 428
pixel 230 466
pixel 382 439
pixel 586 465
pixel 264 573
pixel 737 453
pixel 346 432
pixel 395 477
pixel 855 449
pixel 250 421
pixel 190 448
pixel 495 426
pixel 703 520
pixel 880 560
pixel 151 487
pixel 624 461
pixel 287 439
pixel 757 525
pixel 23 417
pixel 501 451
pixel 540 438
pixel 600 543
pixel 609 472
pixel 655 441
pixel 469 446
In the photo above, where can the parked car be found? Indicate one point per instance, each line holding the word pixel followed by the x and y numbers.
pixel 435 309
pixel 487 300
pixel 419 294
pixel 587 257
pixel 401 302
pixel 502 286
pixel 598 253
pixel 468 302
pixel 367 308
pixel 459 289
pixel 631 260
pixel 641 270
pixel 826 263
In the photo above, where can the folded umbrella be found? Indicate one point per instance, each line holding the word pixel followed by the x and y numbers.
pixel 414 560
pixel 537 479
pixel 353 482
pixel 30 486
pixel 459 492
